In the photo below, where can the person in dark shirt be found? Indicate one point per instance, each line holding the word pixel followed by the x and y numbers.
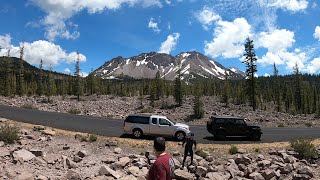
pixel 188 149
pixel 163 167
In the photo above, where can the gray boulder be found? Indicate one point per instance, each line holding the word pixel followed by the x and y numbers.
pixel 183 175
pixel 256 176
pixel 25 176
pixel 23 155
pixel 73 175
pixel 305 170
pixel 105 170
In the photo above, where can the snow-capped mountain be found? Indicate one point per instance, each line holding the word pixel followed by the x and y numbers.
pixel 146 65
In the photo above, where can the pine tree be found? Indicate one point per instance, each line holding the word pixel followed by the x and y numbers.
pixel 78 86
pixel 153 92
pixel 178 92
pixel 8 78
pixel 198 105
pixel 159 86
pixel 40 79
pixel 250 61
pixel 92 83
pixel 226 90
pixel 20 73
pixel 51 86
pixel 276 88
pixel 315 100
pixel 298 88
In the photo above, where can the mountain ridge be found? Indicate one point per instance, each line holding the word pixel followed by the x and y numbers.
pixel 146 65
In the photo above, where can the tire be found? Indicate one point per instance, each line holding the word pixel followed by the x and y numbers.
pixel 180 136
pixel 137 133
pixel 256 136
pixel 221 136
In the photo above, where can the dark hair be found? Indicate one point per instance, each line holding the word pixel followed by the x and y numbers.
pixel 159 144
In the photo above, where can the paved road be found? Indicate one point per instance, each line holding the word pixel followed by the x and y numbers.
pixel 113 127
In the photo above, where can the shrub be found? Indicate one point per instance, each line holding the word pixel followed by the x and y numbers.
pixel 304 148
pixel 280 125
pixel 74 111
pixel 109 115
pixel 256 150
pixel 93 138
pixel 147 110
pixel 83 138
pixel 308 124
pixel 233 149
pixel 28 106
pixel 202 153
pixel 9 134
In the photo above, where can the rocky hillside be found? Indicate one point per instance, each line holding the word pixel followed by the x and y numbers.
pixel 146 65
pixel 42 153
pixel 120 107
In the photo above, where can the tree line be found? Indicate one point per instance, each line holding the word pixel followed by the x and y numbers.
pixel 296 93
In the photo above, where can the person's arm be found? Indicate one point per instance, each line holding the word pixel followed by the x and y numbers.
pixel 184 141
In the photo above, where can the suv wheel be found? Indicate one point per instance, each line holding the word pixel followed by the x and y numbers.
pixel 221 136
pixel 137 133
pixel 256 137
pixel 180 136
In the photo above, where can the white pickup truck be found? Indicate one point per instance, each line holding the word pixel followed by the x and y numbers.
pixel 139 125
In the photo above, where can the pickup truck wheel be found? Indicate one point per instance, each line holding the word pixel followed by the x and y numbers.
pixel 256 137
pixel 137 133
pixel 180 136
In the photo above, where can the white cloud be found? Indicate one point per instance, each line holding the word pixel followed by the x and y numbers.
pixel 289 5
pixel 50 53
pixel 314 66
pixel 153 25
pixel 5 41
pixel 266 75
pixel 317 33
pixel 170 44
pixel 84 74
pixel 278 43
pixel 67 71
pixel 59 11
pixel 288 59
pixel 276 40
pixel 207 17
pixel 228 39
pixel 72 57
pixel 169 26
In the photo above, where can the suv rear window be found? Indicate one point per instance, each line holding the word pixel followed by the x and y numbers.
pixel 137 119
pixel 219 121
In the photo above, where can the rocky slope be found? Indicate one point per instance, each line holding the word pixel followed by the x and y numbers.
pixel 43 153
pixel 146 65
pixel 120 107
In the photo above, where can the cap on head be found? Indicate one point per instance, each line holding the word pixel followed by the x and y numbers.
pixel 159 144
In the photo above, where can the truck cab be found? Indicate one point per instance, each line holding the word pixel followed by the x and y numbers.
pixel 154 125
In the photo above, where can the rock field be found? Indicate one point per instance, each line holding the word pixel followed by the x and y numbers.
pixel 42 153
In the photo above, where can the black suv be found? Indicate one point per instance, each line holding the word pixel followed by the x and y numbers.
pixel 225 126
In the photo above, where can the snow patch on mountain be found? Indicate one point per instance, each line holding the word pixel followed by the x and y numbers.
pixel 185 70
pixel 185 55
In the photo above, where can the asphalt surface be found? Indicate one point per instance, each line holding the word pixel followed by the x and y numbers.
pixel 113 127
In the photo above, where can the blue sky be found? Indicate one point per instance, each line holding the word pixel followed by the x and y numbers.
pixel 285 32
